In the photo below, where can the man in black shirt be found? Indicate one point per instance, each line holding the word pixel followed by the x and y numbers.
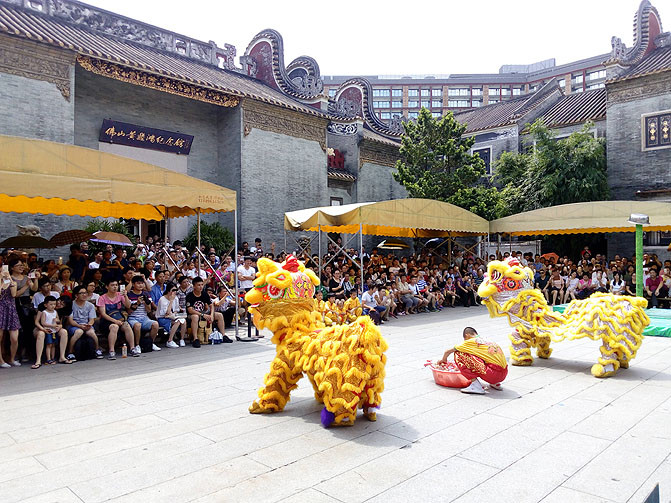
pixel 199 307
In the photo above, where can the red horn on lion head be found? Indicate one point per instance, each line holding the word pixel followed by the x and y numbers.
pixel 290 264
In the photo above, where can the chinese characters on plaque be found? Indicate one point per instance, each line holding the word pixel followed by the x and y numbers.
pixel 144 137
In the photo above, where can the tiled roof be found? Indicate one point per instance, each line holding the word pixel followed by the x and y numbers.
pixel 657 61
pixel 336 174
pixel 372 135
pixel 47 30
pixel 577 108
pixel 490 116
pixel 505 113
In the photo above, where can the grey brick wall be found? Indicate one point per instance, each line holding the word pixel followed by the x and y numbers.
pixel 35 109
pixel 376 183
pixel 279 173
pixel 505 140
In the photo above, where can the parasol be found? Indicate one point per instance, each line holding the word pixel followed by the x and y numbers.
pixel 551 255
pixel 71 236
pixel 26 242
pixel 111 238
pixel 393 244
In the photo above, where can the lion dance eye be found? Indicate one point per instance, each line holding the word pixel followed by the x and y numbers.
pixel 511 284
pixel 274 292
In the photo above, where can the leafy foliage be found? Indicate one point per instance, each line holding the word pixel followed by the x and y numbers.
pixel 486 202
pixel 212 235
pixel 568 170
pixel 435 162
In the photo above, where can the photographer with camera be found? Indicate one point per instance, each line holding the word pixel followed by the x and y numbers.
pixel 140 304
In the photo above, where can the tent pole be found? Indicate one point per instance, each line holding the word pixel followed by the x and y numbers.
pixel 285 240
pixel 361 254
pixel 449 249
pixel 235 270
pixel 198 216
pixel 319 247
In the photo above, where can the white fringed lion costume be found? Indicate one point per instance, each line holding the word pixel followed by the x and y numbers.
pixel 345 363
pixel 618 321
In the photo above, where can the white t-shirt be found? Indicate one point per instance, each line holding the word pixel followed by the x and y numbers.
pixel 94 265
pixel 368 300
pixel 248 283
pixel 38 298
pixel 162 307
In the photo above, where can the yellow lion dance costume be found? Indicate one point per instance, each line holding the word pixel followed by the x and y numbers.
pixel 345 363
pixel 618 321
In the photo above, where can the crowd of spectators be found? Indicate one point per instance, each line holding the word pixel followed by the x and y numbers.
pixel 161 293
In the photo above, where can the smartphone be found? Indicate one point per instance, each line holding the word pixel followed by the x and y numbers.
pixel 122 288
pixel 32 275
pixel 5 269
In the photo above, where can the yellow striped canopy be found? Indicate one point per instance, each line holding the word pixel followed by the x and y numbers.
pixel 396 217
pixel 38 176
pixel 584 218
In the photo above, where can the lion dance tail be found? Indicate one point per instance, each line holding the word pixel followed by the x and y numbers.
pixel 350 374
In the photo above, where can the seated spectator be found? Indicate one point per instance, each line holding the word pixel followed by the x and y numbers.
pixel 49 329
pixel 353 307
pixel 584 288
pixel 542 283
pixel 110 306
pixel 331 310
pixel 407 295
pixel 140 303
pixel 92 296
pixel 465 290
pixel 555 287
pixel 158 290
pixel 225 305
pixel 80 322
pixel 571 287
pixel 617 285
pixel 422 302
pixel 370 306
pixel 652 287
pixel 199 307
pixel 450 291
pixel 167 315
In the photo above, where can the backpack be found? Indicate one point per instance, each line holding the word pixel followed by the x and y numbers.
pixel 85 349
pixel 146 343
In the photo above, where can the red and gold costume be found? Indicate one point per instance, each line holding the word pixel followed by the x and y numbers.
pixel 482 359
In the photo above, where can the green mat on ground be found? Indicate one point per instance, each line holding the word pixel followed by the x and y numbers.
pixel 660 321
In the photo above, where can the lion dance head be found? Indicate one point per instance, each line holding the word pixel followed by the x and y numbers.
pixel 504 281
pixel 281 289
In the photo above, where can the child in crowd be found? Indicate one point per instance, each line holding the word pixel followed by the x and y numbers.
pixel 49 329
pixel 478 359
pixel 331 310
pixel 352 307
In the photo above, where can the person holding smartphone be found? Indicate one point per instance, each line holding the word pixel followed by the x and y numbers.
pixel 9 317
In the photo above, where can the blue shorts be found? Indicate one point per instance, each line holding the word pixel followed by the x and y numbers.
pixel 145 322
pixel 72 330
pixel 51 338
pixel 165 323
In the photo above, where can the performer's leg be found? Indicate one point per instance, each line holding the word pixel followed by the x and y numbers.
pixel 608 362
pixel 520 350
pixel 279 382
pixel 543 349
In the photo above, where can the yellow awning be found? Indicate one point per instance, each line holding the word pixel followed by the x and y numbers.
pixel 397 217
pixel 584 218
pixel 38 176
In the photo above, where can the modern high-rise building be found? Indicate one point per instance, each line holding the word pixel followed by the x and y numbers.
pixel 404 96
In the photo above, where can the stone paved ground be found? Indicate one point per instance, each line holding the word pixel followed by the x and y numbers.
pixel 173 426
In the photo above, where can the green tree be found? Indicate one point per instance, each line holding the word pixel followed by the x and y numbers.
pixel 487 202
pixel 211 235
pixel 435 162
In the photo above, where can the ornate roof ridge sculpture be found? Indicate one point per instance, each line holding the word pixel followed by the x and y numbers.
pixel 353 100
pixel 131 30
pixel 264 60
pixel 648 35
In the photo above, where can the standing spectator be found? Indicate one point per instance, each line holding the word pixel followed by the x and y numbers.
pixel 9 317
pixel 97 260
pixel 66 284
pixel 81 322
pixel 246 276
pixel 167 314
pixel 336 285
pixel 78 262
pixel 25 286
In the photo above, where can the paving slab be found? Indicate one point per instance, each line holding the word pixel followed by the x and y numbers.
pixel 173 426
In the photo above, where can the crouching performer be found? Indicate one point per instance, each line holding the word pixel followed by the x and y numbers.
pixel 479 359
